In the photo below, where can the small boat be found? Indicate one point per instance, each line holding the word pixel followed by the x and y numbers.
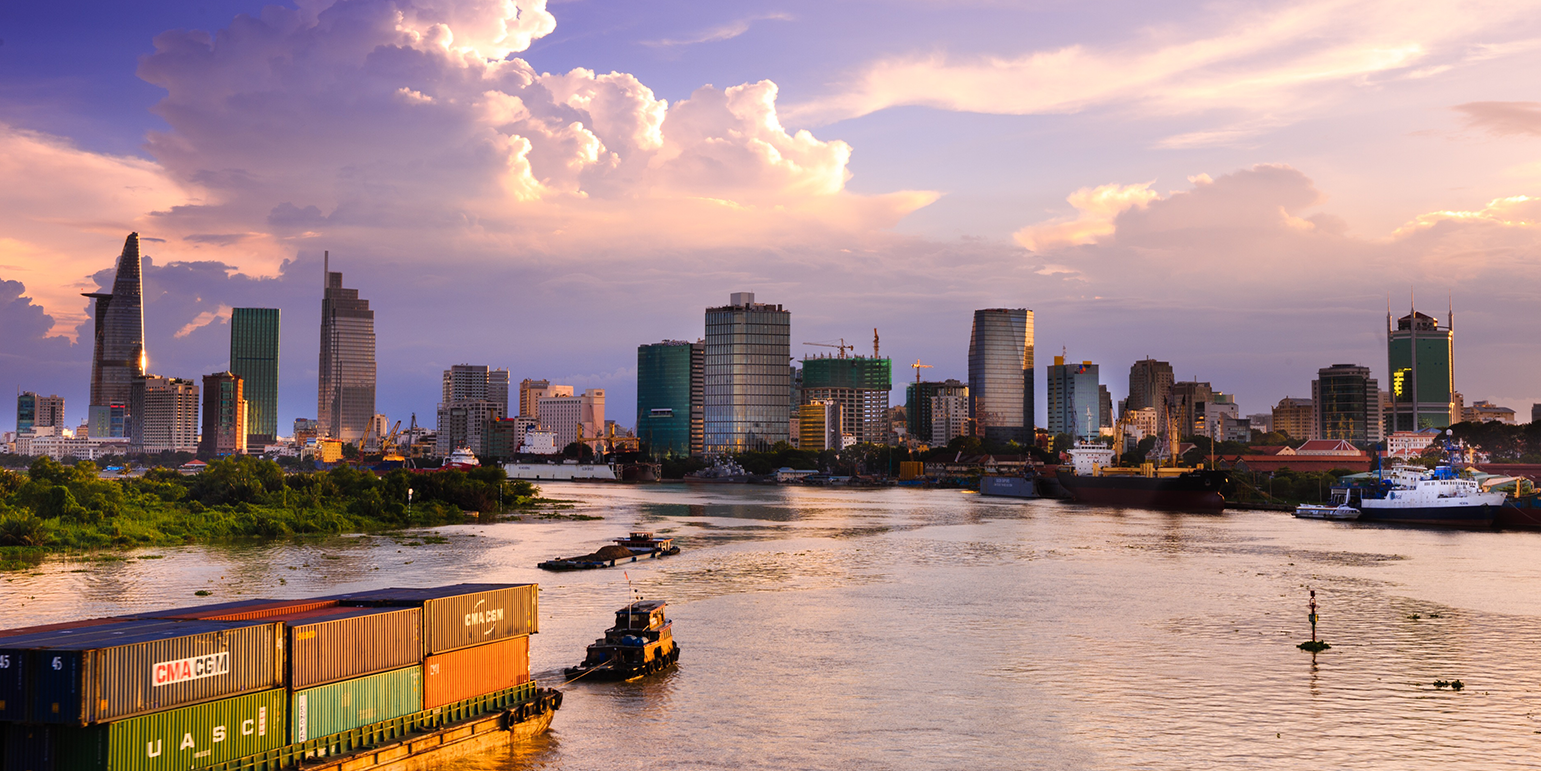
pixel 1340 512
pixel 638 545
pixel 463 459
pixel 641 643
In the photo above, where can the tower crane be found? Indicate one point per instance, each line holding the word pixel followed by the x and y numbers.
pixel 842 346
pixel 918 367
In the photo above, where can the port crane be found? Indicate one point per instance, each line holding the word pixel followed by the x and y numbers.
pixel 842 346
pixel 918 367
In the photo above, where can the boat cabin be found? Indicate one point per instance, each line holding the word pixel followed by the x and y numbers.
pixel 643 542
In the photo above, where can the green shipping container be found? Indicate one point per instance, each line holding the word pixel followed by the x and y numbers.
pixel 332 709
pixel 179 739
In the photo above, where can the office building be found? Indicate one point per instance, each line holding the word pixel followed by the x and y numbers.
pixel 466 382
pixel 574 418
pixel 34 411
pixel 306 429
pixel 504 437
pixel 1219 415
pixel 1347 404
pixel 860 385
pixel 472 397
pixel 1295 418
pixel 671 398
pixel 107 420
pixel 1185 406
pixel 948 413
pixel 1150 385
pixel 917 407
pixel 254 359
pixel 163 415
pixel 748 381
pixel 1141 423
pixel 345 400
pixel 531 392
pixel 1483 411
pixel 1000 374
pixel 224 415
pixel 818 426
pixel 1419 358
pixel 1075 398
pixel 118 354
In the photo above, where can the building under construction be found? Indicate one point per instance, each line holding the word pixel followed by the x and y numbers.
pixel 859 385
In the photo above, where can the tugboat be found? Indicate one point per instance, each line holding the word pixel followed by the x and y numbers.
pixel 640 643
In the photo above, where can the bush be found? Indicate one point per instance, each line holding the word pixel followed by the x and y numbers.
pixel 24 530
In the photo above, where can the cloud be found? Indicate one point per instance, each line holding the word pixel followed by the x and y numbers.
pixel 1097 208
pixel 204 319
pixel 1268 62
pixel 1503 118
pixel 718 33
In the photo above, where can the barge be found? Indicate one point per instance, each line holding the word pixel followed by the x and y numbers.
pixel 638 545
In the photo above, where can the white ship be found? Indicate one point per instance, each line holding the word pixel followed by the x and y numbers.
pixel 463 459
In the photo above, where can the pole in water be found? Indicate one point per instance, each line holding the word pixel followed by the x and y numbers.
pixel 1315 645
pixel 1313 615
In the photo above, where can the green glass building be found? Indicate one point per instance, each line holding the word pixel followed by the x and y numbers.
pixel 860 385
pixel 254 359
pixel 1419 356
pixel 671 398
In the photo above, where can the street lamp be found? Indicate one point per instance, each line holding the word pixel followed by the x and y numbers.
pixel 409 504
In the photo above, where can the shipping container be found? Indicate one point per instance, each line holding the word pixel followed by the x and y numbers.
pixel 462 615
pixel 240 610
pixel 469 672
pixel 340 643
pixel 13 660
pixel 350 704
pixel 30 747
pixel 180 739
pixel 121 670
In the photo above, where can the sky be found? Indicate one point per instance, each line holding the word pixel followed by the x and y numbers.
pixel 1238 188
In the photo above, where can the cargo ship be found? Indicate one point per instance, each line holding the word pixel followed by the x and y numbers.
pixel 1414 495
pixel 1092 479
pixel 641 643
pixel 1008 486
pixel 387 679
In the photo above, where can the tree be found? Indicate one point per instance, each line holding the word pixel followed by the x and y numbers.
pixel 578 451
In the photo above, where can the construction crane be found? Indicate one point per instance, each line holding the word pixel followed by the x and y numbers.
pixel 875 343
pixel 842 346
pixel 388 450
pixel 918 367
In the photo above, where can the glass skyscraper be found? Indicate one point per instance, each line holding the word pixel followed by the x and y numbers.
pixel 118 355
pixel 254 359
pixel 748 381
pixel 1000 374
pixel 671 397
pixel 345 403
pixel 1347 402
pixel 1419 355
pixel 1075 399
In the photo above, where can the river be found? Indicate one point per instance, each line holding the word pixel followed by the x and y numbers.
pixel 910 629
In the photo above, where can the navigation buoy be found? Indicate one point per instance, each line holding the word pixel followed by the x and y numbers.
pixel 1315 645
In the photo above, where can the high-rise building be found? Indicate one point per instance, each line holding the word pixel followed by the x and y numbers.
pixel 568 417
pixel 1000 374
pixel 748 380
pixel 1150 385
pixel 345 402
pixel 1185 406
pixel 860 385
pixel 118 354
pixel 918 401
pixel 1419 355
pixel 254 359
pixel 163 415
pixel 1295 418
pixel 224 415
pixel 671 397
pixel 466 382
pixel 1347 403
pixel 818 426
pixel 33 411
pixel 949 413
pixel 472 397
pixel 1075 399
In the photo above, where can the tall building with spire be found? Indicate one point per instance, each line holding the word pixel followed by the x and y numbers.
pixel 118 355
pixel 1420 356
pixel 345 401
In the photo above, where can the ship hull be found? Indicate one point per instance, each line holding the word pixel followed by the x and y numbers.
pixel 1198 492
pixel 1477 515
pixel 1521 514
pixel 1008 487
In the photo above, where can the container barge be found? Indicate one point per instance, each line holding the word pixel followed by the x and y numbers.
pixel 390 679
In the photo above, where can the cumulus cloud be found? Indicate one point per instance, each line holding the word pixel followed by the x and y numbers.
pixel 1265 61
pixel 1097 208
pixel 221 314
pixel 1520 118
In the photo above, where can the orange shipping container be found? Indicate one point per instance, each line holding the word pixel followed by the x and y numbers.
pixel 451 677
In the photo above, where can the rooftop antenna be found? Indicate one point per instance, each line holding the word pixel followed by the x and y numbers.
pixel 326 267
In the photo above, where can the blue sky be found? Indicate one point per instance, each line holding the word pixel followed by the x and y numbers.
pixel 1236 188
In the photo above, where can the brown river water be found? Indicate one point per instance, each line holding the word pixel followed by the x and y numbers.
pixel 908 629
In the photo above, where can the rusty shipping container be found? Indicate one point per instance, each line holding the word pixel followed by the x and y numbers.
pixel 334 644
pixel 463 615
pixel 462 674
pixel 179 739
pixel 121 670
pixel 240 610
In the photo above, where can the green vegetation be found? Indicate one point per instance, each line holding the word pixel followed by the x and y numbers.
pixel 59 508
pixel 1502 442
pixel 1314 646
pixel 852 461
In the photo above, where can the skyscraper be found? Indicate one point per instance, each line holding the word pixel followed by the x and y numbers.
pixel 860 385
pixel 163 415
pixel 224 415
pixel 346 400
pixel 118 354
pixel 1075 399
pixel 473 396
pixel 33 411
pixel 1000 373
pixel 748 383
pixel 671 397
pixel 1150 385
pixel 1420 356
pixel 1347 403
pixel 254 359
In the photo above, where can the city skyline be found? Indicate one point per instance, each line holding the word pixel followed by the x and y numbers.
pixel 1172 217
